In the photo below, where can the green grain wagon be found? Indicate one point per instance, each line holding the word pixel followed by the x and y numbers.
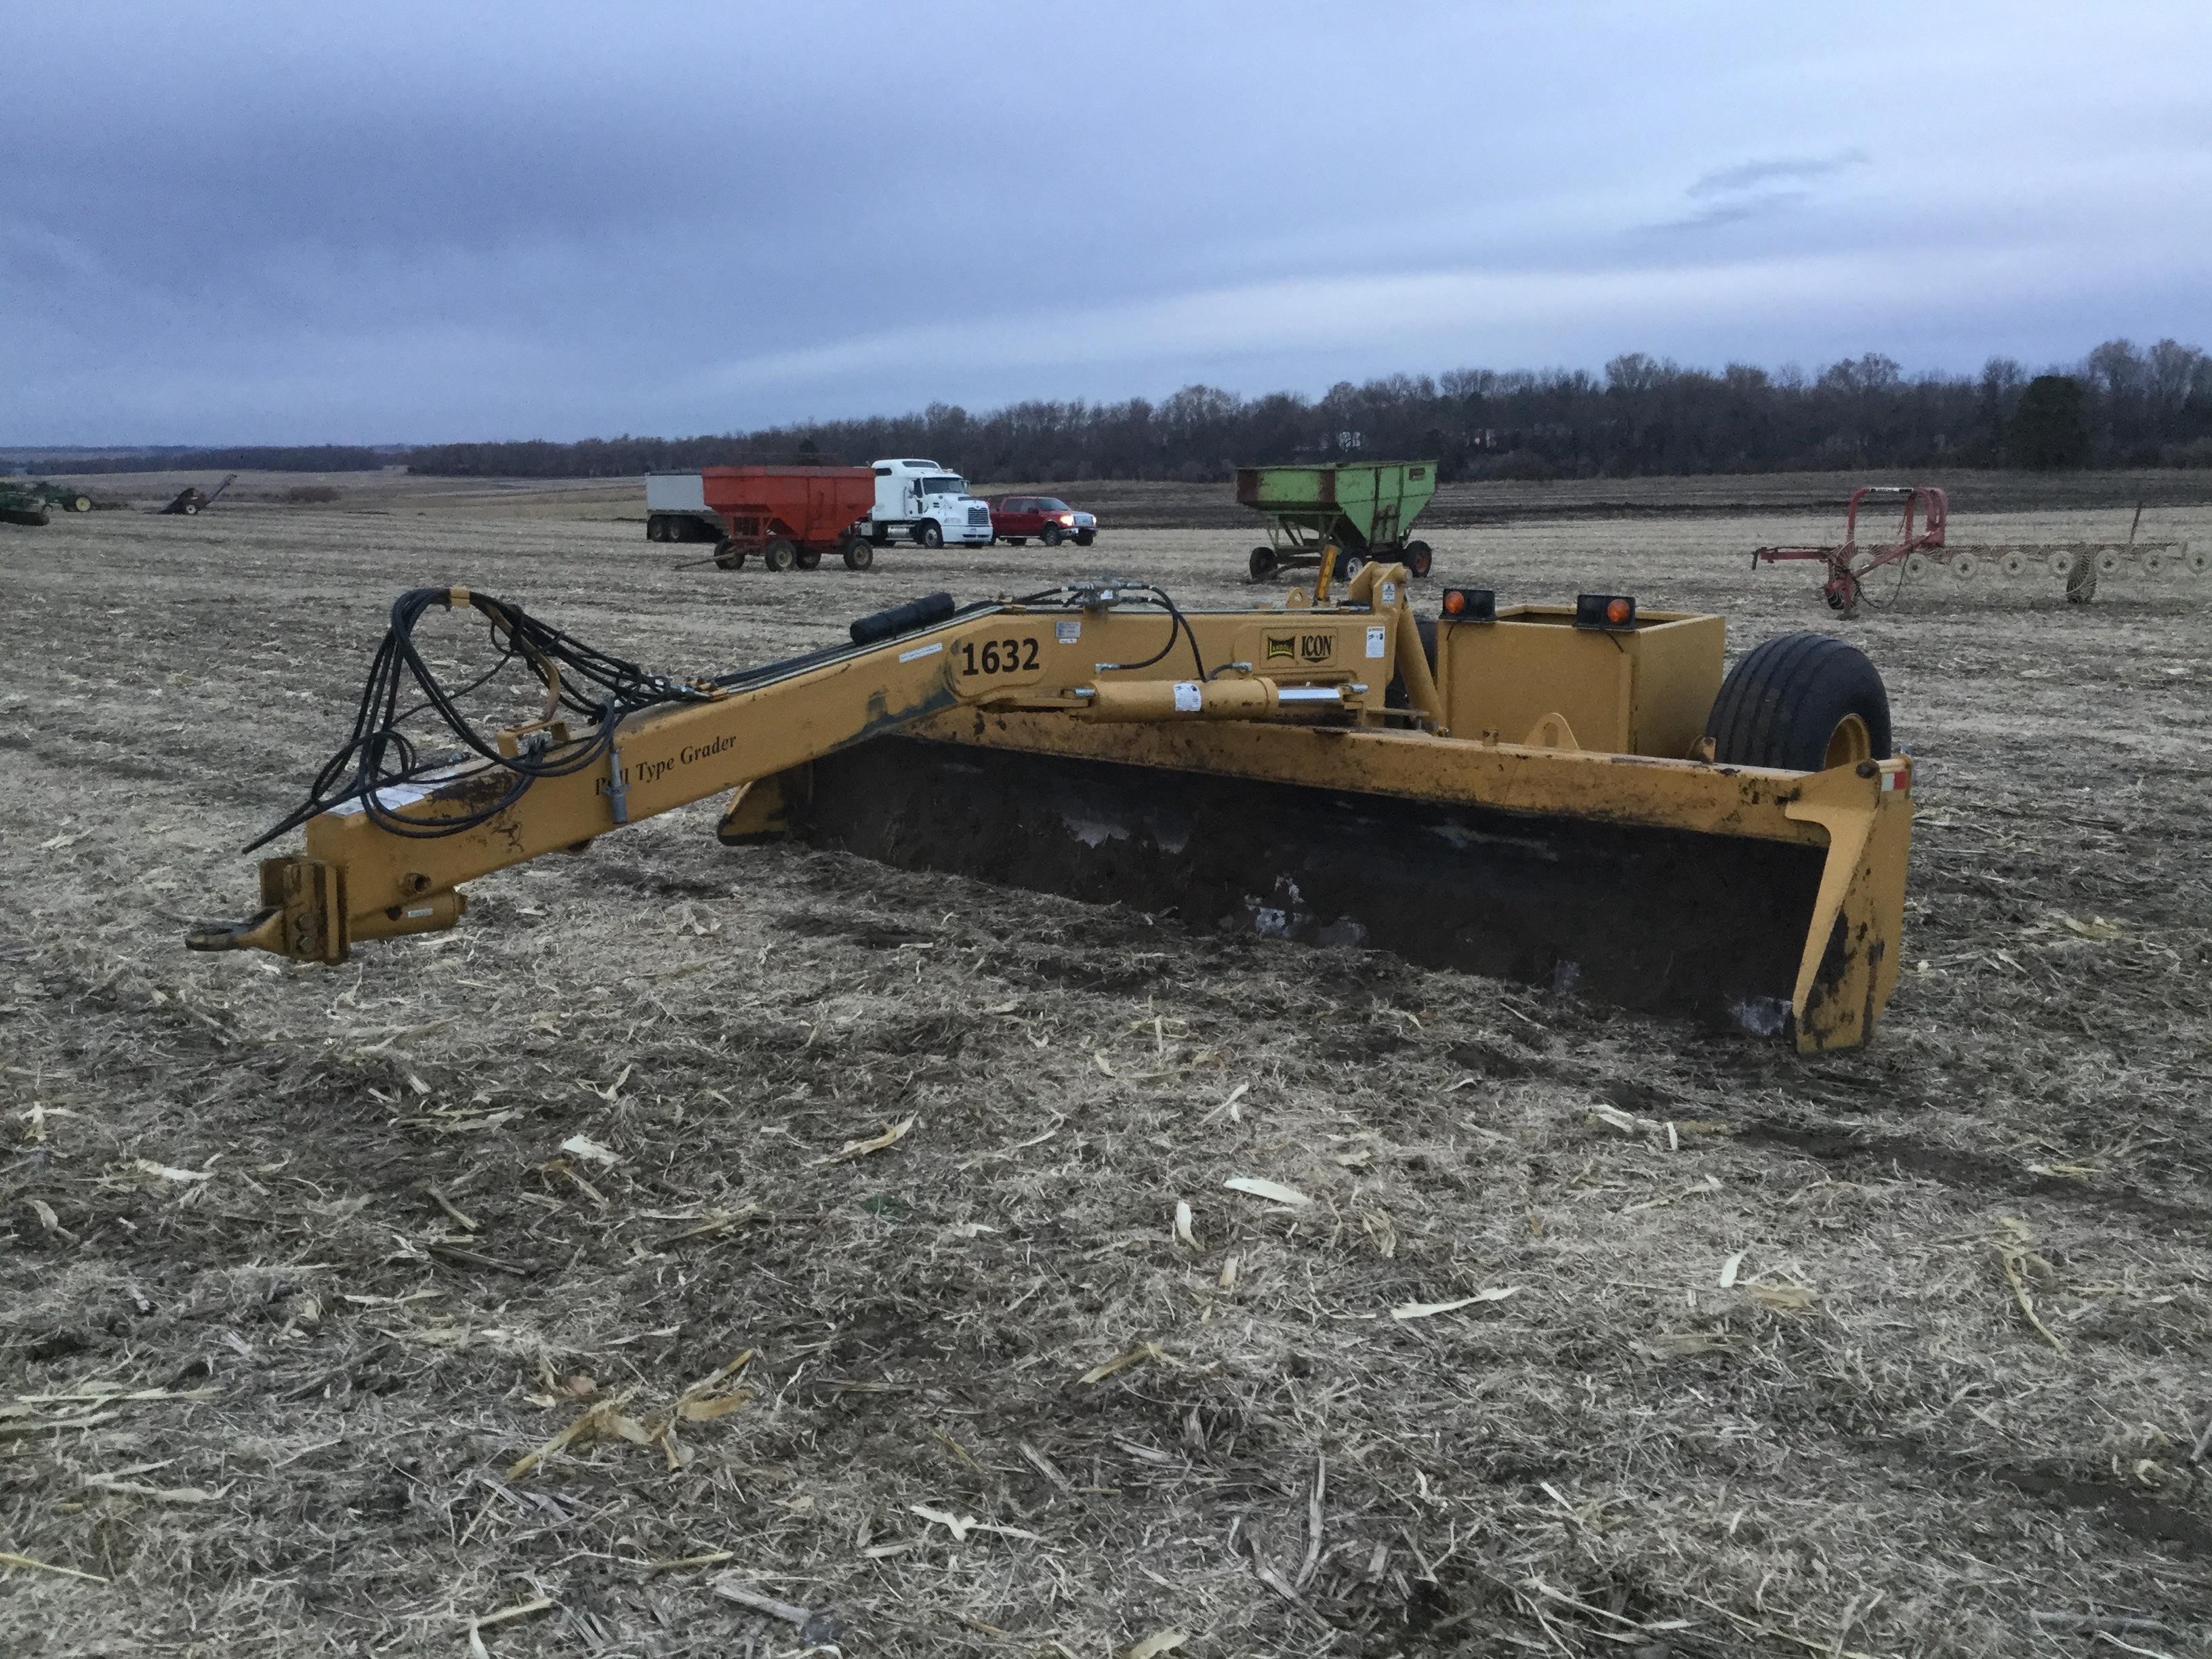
pixel 1363 509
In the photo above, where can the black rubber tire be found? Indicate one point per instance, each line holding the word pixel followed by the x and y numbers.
pixel 1085 538
pixel 859 553
pixel 1417 559
pixel 928 534
pixel 779 556
pixel 80 503
pixel 1050 535
pixel 726 557
pixel 1348 563
pixel 1262 564
pixel 810 558
pixel 1783 702
pixel 190 509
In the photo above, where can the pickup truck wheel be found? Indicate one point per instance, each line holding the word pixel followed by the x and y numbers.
pixel 1085 538
pixel 1261 564
pixel 928 534
pixel 1051 537
pixel 810 558
pixel 859 553
pixel 779 555
pixel 1803 703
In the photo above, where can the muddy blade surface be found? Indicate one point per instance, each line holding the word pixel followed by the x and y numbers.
pixel 1671 921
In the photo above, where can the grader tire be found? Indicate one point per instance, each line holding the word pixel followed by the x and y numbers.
pixel 1802 703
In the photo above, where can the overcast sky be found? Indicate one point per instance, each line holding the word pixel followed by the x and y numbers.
pixel 414 222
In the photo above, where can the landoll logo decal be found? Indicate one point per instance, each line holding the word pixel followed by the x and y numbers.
pixel 1281 647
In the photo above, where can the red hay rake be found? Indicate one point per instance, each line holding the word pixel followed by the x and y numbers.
pixel 1921 552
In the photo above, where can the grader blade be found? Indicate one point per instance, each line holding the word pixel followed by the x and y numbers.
pixel 1785 931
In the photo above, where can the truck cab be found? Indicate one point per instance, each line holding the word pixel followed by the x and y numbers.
pixel 918 500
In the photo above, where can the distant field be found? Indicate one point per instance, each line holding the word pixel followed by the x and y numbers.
pixel 1881 1353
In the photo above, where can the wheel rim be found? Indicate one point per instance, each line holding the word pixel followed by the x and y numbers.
pixel 1849 744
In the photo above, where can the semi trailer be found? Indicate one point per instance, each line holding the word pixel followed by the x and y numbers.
pixel 676 508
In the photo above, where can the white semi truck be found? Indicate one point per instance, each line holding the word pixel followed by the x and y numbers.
pixel 921 502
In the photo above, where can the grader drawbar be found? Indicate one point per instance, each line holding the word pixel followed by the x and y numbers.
pixel 1573 795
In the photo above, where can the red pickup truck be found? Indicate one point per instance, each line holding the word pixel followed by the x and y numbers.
pixel 1017 518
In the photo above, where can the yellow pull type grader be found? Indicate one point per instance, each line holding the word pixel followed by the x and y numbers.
pixel 1567 794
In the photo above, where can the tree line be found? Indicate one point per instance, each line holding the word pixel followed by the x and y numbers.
pixel 2121 406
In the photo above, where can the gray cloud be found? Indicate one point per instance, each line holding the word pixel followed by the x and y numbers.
pixel 1751 175
pixel 409 220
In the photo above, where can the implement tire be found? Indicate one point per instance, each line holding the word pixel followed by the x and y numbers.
pixel 1801 702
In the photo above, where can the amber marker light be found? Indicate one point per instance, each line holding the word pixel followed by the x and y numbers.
pixel 1607 611
pixel 1468 604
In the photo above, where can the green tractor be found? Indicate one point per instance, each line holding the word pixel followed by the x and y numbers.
pixel 33 502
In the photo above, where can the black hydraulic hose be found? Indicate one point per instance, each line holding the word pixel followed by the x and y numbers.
pixel 377 755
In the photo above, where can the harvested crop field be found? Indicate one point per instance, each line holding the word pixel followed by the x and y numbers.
pixel 1598 1334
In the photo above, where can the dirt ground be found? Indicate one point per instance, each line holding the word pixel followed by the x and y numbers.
pixel 1901 1351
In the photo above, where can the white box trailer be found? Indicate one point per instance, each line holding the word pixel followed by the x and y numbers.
pixel 676 509
pixel 921 502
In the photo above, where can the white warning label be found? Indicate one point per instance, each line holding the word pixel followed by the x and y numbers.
pixel 1068 632
pixel 1375 638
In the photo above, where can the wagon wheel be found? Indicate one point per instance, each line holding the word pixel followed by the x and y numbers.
pixel 1417 558
pixel 859 553
pixel 728 557
pixel 810 558
pixel 1262 564
pixel 779 555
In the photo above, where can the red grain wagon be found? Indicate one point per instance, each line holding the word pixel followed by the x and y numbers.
pixel 791 515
